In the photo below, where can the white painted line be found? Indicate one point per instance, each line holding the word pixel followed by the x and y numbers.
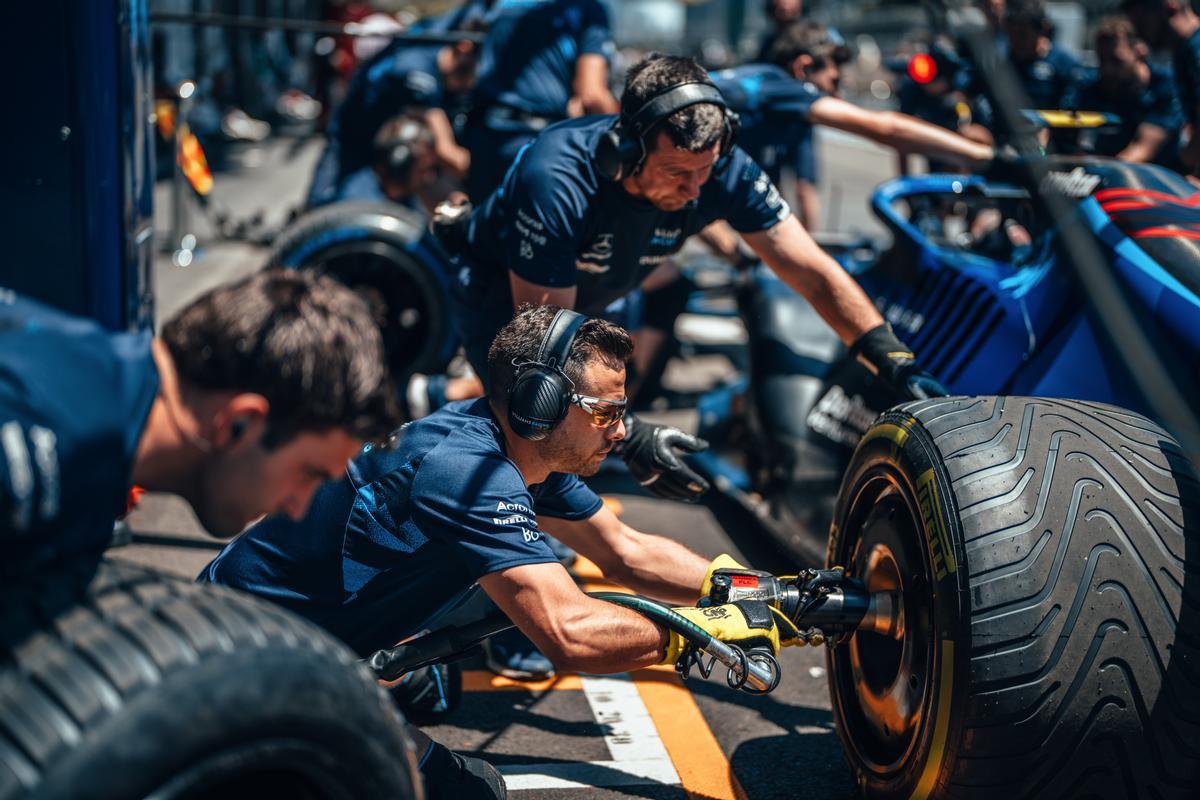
pixel 588 774
pixel 630 735
pixel 639 757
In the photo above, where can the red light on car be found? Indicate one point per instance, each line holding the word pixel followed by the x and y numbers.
pixel 922 68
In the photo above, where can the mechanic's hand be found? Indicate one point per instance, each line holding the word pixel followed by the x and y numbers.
pixel 890 360
pixel 723 561
pixel 746 623
pixel 649 451
pixel 450 222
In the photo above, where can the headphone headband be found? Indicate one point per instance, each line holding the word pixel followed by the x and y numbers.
pixel 556 344
pixel 668 101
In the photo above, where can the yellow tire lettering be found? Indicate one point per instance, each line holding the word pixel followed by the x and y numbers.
pixel 940 546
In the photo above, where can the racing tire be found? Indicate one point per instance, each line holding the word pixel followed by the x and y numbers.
pixel 1047 557
pixel 118 682
pixel 381 251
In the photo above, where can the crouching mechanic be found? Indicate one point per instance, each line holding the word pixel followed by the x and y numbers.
pixel 255 393
pixel 465 495
pixel 593 206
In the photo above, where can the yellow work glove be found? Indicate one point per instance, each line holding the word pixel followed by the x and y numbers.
pixel 746 623
pixel 723 561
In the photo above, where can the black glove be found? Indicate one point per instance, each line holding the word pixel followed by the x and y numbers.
pixel 648 451
pixel 449 225
pixel 890 360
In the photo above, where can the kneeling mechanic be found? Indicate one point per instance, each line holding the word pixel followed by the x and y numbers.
pixel 465 495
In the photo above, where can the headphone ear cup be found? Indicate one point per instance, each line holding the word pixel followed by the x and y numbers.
pixel 617 153
pixel 733 126
pixel 537 402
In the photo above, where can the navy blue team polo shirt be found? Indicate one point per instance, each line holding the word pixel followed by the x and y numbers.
pixel 528 58
pixel 556 222
pixel 399 77
pixel 773 107
pixel 74 399
pixel 409 528
pixel 1157 103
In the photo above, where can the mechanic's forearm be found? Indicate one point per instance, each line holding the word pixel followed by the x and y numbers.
pixel 791 252
pixel 916 136
pixel 661 568
pixel 600 637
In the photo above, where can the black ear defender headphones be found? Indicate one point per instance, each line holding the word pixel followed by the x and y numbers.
pixel 623 148
pixel 540 394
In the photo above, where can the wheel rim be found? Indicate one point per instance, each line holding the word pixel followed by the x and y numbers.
pixel 403 301
pixel 883 686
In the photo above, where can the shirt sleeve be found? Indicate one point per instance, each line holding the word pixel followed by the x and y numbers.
pixel 547 206
pixel 1165 111
pixel 596 36
pixel 745 197
pixel 478 504
pixel 566 497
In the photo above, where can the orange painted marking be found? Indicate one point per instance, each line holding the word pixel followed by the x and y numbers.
pixel 703 768
pixel 613 504
pixel 586 570
pixel 481 681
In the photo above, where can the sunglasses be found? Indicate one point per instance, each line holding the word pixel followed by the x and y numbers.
pixel 605 413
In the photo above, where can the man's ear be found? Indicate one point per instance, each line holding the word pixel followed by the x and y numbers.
pixel 801 64
pixel 243 417
pixel 1141 50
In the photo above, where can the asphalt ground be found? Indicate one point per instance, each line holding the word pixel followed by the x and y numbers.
pixel 641 735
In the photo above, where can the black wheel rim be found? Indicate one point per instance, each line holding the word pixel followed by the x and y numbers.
pixel 882 687
pixel 402 299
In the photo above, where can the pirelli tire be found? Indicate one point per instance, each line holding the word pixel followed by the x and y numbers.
pixel 1047 553
pixel 118 683
pixel 383 252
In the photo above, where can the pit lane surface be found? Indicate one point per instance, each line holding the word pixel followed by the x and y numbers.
pixel 640 735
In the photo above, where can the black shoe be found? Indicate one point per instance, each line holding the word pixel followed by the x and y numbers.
pixel 512 655
pixel 450 776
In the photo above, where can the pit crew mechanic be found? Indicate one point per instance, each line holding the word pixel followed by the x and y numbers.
pixel 401 77
pixel 541 62
pixel 778 103
pixel 593 206
pixel 255 393
pixel 465 495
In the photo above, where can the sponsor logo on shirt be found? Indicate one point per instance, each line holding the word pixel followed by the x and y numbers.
pixel 665 237
pixel 598 253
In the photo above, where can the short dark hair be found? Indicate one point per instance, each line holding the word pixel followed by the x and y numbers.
pixel 398 142
pixel 806 38
pixel 1112 29
pixel 305 342
pixel 1030 13
pixel 519 340
pixel 695 128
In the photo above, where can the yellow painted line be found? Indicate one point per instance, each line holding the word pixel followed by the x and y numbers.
pixel 586 570
pixel 703 769
pixel 483 681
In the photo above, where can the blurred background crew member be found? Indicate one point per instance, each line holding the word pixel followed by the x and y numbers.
pixel 1140 93
pixel 542 62
pixel 779 105
pixel 402 77
pixel 1174 24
